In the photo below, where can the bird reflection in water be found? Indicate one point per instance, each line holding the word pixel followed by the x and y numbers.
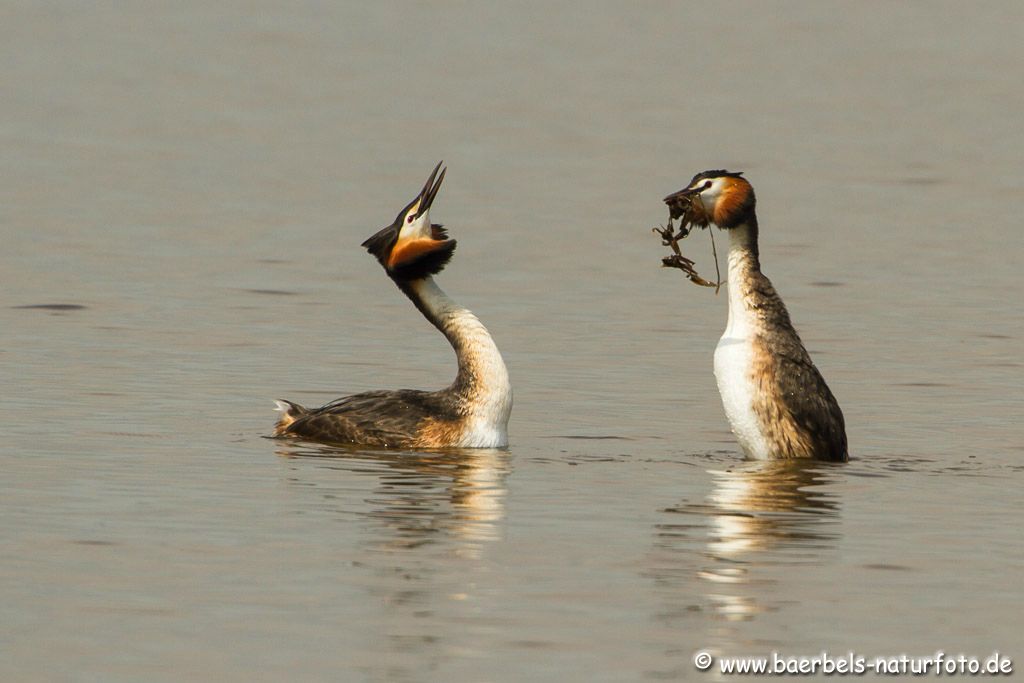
pixel 758 515
pixel 416 526
pixel 763 513
pixel 421 498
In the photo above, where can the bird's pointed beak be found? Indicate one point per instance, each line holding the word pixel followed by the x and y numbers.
pixel 681 194
pixel 429 191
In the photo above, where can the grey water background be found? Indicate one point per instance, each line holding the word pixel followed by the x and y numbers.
pixel 191 182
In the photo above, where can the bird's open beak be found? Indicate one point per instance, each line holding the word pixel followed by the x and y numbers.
pixel 426 248
pixel 429 191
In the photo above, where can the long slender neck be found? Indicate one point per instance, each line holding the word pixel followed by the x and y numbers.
pixel 754 305
pixel 483 377
pixel 744 271
pixel 744 264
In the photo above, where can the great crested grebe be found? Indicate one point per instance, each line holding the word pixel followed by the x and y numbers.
pixel 473 412
pixel 776 400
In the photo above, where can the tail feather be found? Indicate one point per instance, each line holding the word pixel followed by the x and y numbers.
pixel 290 412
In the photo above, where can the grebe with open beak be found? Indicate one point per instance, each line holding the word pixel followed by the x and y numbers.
pixel 473 412
pixel 777 402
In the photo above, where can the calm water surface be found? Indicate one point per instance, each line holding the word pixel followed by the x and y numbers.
pixel 183 190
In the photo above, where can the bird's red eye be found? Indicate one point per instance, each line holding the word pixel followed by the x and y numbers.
pixel 409 220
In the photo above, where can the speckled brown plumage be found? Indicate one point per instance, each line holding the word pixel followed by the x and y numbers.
pixel 405 418
pixel 794 404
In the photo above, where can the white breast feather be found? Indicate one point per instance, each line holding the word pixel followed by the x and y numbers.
pixel 733 371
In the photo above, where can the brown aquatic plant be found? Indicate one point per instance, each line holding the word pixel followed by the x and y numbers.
pixel 690 215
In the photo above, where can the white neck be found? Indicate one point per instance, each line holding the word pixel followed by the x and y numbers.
pixel 483 381
pixel 742 261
